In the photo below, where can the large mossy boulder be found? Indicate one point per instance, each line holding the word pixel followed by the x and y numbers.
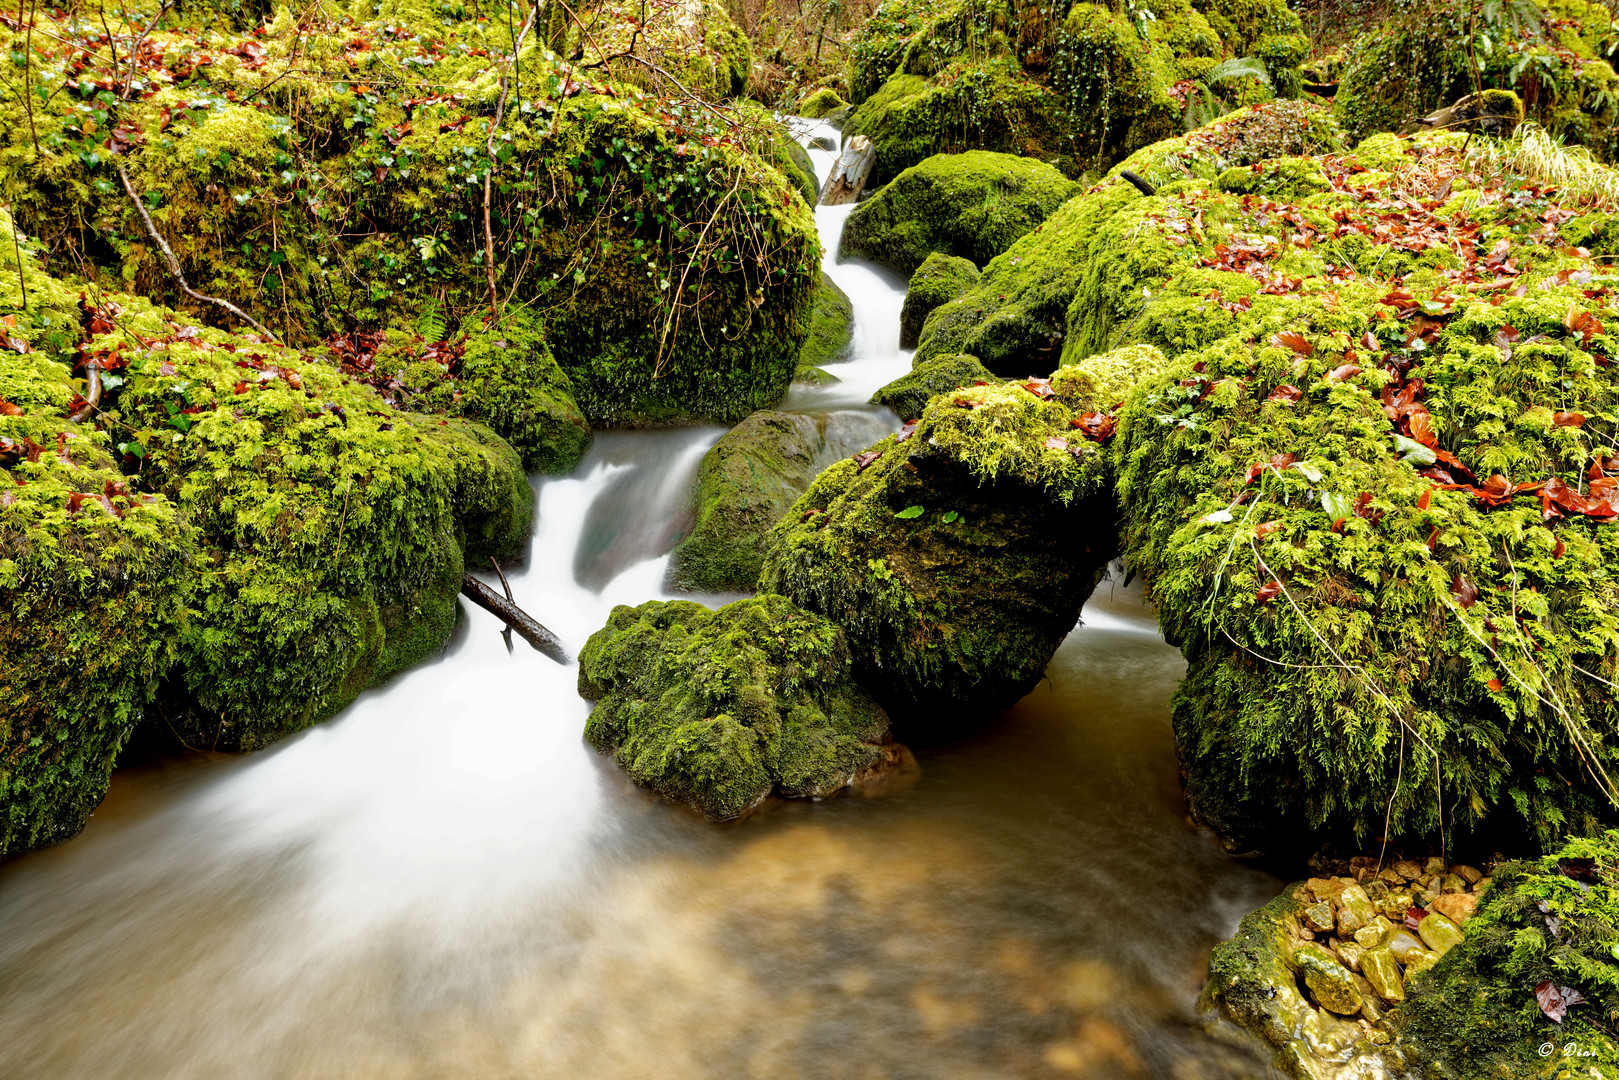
pixel 720 709
pixel 831 326
pixel 668 257
pixel 934 549
pixel 909 394
pixel 1545 927
pixel 1078 86
pixel 746 482
pixel 940 279
pixel 1421 57
pixel 239 541
pixel 1027 311
pixel 971 205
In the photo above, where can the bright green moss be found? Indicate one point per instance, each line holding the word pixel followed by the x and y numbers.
pixel 940 279
pixel 935 556
pixel 1475 1014
pixel 819 103
pixel 909 394
pixel 718 709
pixel 973 205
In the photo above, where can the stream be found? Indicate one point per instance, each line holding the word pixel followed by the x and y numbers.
pixel 445 881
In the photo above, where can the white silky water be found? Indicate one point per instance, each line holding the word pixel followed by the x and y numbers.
pixel 446 882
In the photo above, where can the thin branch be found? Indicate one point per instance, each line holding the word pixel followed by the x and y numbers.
pixel 174 263
pixel 489 146
pixel 515 617
pixel 135 53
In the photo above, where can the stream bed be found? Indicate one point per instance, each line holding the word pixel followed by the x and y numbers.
pixel 445 881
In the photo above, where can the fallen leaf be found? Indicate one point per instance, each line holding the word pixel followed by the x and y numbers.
pixel 1342 372
pixel 1494 685
pixel 1465 592
pixel 1285 392
pixel 1268 591
pixel 1568 419
pixel 1580 870
pixel 1556 1000
pixel 1055 442
pixel 1292 339
pixel 1422 500
pixel 865 459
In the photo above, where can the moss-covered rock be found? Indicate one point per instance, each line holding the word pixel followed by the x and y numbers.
pixel 819 103
pixel 718 709
pixel 972 205
pixel 940 279
pixel 1423 56
pixel 327 204
pixel 909 394
pixel 1476 1013
pixel 235 545
pixel 831 326
pixel 1078 86
pixel 745 483
pixel 932 550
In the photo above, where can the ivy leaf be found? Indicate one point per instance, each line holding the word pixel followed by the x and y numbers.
pixel 950 517
pixel 910 512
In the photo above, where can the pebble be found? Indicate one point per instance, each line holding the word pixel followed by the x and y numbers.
pixel 1394 903
pixel 1417 961
pixel 1383 972
pixel 1318 916
pixel 1439 933
pixel 1403 943
pixel 1354 911
pixel 1458 907
pixel 1349 953
pixel 1408 870
pixel 1469 874
pixel 1435 865
pixel 1329 982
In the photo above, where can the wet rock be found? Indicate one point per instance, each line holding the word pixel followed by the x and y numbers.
pixel 1354 911
pixel 1419 960
pixel 1349 953
pixel 746 482
pixel 1439 933
pixel 718 709
pixel 909 394
pixel 1457 907
pixel 1329 982
pixel 1407 870
pixel 1393 904
pixel 1434 867
pixel 1452 883
pixel 1469 874
pixel 831 326
pixel 1328 889
pixel 1383 972
pixel 1375 933
pixel 820 103
pixel 1318 917
pixel 1404 944
pixel 940 279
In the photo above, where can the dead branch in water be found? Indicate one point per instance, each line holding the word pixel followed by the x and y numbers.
pixel 515 617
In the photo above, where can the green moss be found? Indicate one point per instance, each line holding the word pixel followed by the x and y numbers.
pixel 718 709
pixel 819 103
pixel 1416 60
pixel 909 394
pixel 831 326
pixel 1475 1013
pixel 1251 980
pixel 745 483
pixel 940 279
pixel 973 205
pixel 935 556
pixel 508 380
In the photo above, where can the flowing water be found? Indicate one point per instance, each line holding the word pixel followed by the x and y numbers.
pixel 446 882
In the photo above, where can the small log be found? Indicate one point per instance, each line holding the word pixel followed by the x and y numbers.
pixel 1140 184
pixel 515 617
pixel 849 172
pixel 92 392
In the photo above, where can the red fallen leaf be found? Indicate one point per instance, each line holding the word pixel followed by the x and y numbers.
pixel 1414 916
pixel 1452 462
pixel 1338 525
pixel 1369 339
pixel 1494 685
pixel 1555 1001
pixel 1432 537
pixel 1267 527
pixel 1421 424
pixel 1096 426
pixel 1557 552
pixel 865 459
pixel 1040 388
pixel 907 431
pixel 1579 870
pixel 1292 339
pixel 241 388
pixel 1423 499
pixel 1269 591
pixel 1285 392
pixel 1055 442
pixel 1363 508
pixel 1465 592
pixel 963 403
pixel 166 368
pixel 1342 372
pixel 811 513
pixel 8 409
pixel 1568 419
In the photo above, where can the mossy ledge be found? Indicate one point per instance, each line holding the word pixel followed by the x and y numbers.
pixel 720 709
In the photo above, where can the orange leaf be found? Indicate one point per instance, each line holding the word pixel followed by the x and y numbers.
pixel 1495 686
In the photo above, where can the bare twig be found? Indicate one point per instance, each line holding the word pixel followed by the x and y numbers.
pixel 92 391
pixel 515 617
pixel 174 263
pixel 135 53
pixel 489 147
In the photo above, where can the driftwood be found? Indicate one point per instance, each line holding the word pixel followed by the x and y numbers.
pixel 515 617
pixel 849 172
pixel 1140 184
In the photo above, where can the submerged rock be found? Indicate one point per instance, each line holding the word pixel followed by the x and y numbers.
pixel 747 481
pixel 940 279
pixel 718 709
pixel 932 549
pixel 972 205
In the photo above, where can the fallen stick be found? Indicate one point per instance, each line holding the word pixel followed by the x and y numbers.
pixel 174 263
pixel 515 617
pixel 92 392
pixel 1140 184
